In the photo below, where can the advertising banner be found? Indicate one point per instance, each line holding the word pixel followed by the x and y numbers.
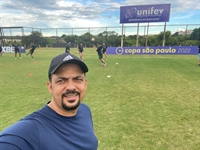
pixel 10 49
pixel 188 50
pixel 145 13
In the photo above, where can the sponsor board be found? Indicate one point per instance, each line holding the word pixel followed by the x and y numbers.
pixel 10 49
pixel 189 50
pixel 145 13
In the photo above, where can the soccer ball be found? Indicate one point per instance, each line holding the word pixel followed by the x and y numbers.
pixel 93 39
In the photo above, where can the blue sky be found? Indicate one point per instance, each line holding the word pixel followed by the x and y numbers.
pixel 86 13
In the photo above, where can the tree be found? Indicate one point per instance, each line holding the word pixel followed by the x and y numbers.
pixel 195 35
pixel 161 35
pixel 111 38
pixel 35 37
pixel 152 40
pixel 175 34
pixel 49 41
pixel 172 41
pixel 129 41
pixel 86 39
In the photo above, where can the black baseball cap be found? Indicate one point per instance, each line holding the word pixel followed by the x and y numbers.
pixel 65 58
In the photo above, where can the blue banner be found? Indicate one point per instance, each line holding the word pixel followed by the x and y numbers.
pixel 189 50
pixel 145 13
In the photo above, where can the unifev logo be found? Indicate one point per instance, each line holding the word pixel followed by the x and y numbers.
pixel 150 11
pixel 119 50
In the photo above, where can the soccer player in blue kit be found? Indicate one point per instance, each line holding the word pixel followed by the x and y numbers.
pixel 64 123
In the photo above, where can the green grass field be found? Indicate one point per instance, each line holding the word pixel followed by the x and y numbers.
pixel 150 102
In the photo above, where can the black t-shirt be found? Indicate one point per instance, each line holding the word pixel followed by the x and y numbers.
pixel 33 47
pixel 67 48
pixel 104 47
pixel 99 49
pixel 80 48
pixel 15 45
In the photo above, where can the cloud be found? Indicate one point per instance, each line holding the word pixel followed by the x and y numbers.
pixel 59 10
pixel 82 13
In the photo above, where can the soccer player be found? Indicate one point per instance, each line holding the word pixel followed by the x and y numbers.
pixel 104 50
pixel 64 123
pixel 67 48
pixel 100 54
pixel 199 54
pixel 16 47
pixel 31 51
pixel 80 49
pixel 0 49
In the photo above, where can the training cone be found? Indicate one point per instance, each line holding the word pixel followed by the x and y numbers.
pixel 30 74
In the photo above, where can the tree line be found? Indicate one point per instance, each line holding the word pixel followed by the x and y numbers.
pixel 111 38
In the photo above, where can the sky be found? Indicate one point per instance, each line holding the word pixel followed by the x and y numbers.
pixel 88 13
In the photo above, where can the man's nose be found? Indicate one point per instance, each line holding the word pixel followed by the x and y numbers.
pixel 70 85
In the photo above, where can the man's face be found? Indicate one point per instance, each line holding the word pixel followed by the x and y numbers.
pixel 67 86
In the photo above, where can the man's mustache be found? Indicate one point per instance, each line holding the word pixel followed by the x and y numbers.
pixel 70 92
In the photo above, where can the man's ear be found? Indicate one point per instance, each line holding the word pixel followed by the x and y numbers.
pixel 49 86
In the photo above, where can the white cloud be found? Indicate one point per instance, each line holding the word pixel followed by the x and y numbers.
pixel 63 3
pixel 83 13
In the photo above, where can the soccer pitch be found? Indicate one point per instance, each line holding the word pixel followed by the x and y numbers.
pixel 137 101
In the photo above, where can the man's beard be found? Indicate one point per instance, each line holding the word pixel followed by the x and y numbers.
pixel 68 108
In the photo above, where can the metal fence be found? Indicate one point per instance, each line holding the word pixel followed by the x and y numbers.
pixel 16 33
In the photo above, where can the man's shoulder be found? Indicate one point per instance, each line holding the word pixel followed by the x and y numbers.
pixel 84 112
pixel 84 106
pixel 22 128
pixel 28 123
pixel 23 134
